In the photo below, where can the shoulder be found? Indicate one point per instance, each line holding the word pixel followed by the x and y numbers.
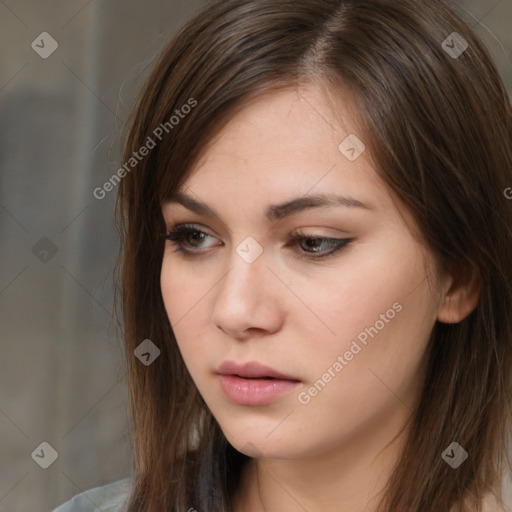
pixel 107 498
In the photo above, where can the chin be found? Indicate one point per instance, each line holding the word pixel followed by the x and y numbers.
pixel 258 444
pixel 257 451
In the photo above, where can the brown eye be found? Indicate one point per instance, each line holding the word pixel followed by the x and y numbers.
pixel 321 245
pixel 195 237
pixel 315 244
pixel 188 239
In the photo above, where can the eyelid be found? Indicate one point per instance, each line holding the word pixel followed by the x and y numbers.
pixel 181 230
pixel 303 231
pixel 306 232
pixel 178 232
pixel 173 225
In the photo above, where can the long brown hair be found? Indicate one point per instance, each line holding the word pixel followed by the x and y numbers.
pixel 438 126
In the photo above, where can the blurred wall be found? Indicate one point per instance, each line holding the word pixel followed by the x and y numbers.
pixel 61 119
pixel 63 380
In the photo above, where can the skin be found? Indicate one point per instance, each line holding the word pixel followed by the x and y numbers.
pixel 297 314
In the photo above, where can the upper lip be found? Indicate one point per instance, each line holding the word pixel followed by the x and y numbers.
pixel 251 369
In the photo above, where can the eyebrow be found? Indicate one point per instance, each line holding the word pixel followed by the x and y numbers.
pixel 279 211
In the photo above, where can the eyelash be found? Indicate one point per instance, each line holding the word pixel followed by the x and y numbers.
pixel 178 234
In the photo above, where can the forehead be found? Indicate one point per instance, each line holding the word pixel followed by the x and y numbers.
pixel 283 145
pixel 302 119
pixel 280 128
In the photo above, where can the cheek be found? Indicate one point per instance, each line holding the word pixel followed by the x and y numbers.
pixel 186 303
pixel 182 290
pixel 376 317
pixel 178 297
pixel 355 295
pixel 171 287
pixel 376 380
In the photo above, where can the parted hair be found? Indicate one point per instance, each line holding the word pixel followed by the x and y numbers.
pixel 438 127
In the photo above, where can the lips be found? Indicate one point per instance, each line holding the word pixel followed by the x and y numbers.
pixel 252 370
pixel 253 384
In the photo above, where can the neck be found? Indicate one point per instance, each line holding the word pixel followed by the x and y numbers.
pixel 348 479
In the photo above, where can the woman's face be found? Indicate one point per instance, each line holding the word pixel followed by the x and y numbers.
pixel 335 297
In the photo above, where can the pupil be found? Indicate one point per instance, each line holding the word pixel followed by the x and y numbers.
pixel 197 237
pixel 312 242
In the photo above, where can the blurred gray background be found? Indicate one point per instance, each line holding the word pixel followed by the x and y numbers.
pixel 63 380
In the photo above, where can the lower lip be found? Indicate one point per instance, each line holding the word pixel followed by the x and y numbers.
pixel 254 391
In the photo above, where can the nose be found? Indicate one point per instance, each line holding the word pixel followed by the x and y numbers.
pixel 248 299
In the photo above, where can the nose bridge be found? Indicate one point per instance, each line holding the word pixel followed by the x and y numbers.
pixel 247 269
pixel 243 299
